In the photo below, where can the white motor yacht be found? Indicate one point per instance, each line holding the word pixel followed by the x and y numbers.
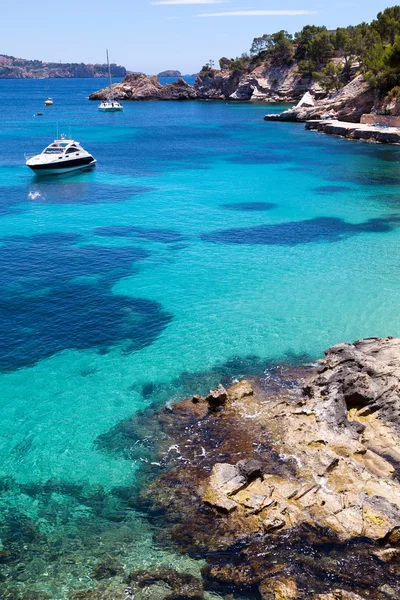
pixel 62 156
pixel 109 104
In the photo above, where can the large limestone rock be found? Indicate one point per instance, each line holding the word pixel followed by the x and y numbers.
pixel 301 459
pixel 137 86
pixel 348 104
pixel 306 101
pixel 266 82
pixel 358 380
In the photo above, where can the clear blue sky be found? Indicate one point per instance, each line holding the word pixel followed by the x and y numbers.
pixel 153 35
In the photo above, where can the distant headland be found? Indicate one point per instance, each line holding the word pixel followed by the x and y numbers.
pixel 20 68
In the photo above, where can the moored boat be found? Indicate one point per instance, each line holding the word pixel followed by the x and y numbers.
pixel 61 156
pixel 110 104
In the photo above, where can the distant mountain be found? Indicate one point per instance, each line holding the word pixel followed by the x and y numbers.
pixel 169 74
pixel 20 68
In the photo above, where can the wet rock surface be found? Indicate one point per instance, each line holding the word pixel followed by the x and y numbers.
pixel 289 485
pixel 163 584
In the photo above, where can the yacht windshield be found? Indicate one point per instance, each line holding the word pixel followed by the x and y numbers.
pixel 53 150
pixel 56 148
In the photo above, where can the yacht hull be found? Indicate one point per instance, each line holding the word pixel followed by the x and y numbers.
pixel 113 109
pixel 67 167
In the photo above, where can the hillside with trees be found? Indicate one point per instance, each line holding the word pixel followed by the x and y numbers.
pixel 328 59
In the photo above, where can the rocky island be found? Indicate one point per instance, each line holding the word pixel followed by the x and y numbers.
pixel 144 87
pixel 288 484
pixel 170 73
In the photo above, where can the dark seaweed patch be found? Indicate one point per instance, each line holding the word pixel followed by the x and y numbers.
pixel 260 157
pixel 331 189
pixel 48 304
pixel 249 206
pixel 367 178
pixel 148 390
pixel 320 229
pixel 164 236
pixel 10 196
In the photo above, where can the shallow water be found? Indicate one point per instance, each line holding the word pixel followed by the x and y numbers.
pixel 203 234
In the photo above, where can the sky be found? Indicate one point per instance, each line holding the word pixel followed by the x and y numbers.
pixel 154 35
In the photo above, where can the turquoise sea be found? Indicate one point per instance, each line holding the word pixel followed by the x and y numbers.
pixel 207 243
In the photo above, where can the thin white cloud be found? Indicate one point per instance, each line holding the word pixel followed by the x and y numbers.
pixel 176 2
pixel 259 13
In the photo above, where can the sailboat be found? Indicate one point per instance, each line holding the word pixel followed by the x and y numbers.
pixel 110 105
pixel 48 101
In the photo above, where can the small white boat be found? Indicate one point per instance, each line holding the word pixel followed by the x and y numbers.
pixel 48 101
pixel 62 156
pixel 110 105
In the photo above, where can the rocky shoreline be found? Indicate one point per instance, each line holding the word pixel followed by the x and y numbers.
pixel 350 113
pixel 265 83
pixel 287 485
pixel 356 131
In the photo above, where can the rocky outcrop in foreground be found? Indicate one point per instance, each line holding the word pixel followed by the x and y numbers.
pixel 286 485
pixel 143 87
pixel 289 484
pixel 348 104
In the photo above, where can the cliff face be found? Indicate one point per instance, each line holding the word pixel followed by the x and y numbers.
pixel 348 104
pixel 266 82
pixel 142 87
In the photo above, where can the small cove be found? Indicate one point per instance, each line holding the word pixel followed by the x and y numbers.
pixel 122 286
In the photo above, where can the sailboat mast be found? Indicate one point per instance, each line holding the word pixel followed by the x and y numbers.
pixel 109 77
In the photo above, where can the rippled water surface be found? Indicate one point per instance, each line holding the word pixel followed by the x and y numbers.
pixel 205 243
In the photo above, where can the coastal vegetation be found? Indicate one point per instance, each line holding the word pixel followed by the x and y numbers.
pixel 332 57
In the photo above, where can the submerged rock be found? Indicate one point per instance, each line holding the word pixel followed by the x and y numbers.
pixel 279 588
pixel 164 584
